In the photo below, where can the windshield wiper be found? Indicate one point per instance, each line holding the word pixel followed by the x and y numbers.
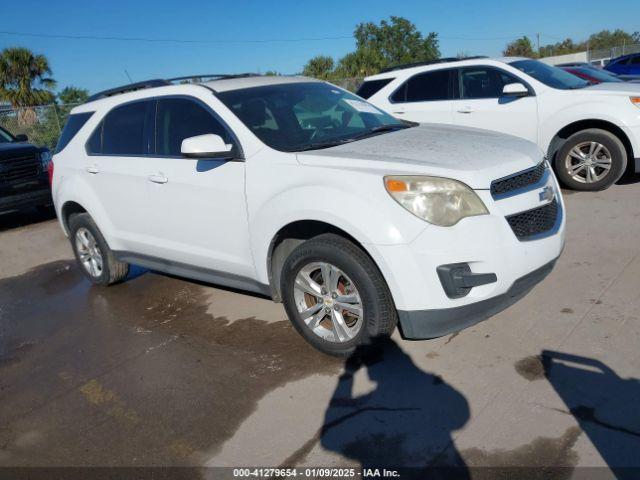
pixel 368 133
pixel 319 145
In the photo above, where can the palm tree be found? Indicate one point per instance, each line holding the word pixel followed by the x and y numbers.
pixel 25 81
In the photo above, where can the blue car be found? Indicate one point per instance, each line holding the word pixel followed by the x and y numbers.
pixel 625 65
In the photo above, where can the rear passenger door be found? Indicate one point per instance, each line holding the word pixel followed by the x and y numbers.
pixel 425 97
pixel 115 170
pixel 482 105
pixel 196 208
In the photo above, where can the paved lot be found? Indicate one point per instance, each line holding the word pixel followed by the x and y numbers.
pixel 162 371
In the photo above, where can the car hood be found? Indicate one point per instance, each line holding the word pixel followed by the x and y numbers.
pixel 626 88
pixel 473 156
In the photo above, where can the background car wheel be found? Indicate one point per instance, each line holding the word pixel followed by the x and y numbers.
pixel 95 258
pixel 335 295
pixel 591 160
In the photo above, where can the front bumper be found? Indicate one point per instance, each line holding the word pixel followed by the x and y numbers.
pixel 421 324
pixel 31 198
pixel 502 266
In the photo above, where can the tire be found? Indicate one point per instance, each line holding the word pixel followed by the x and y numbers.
pixel 352 271
pixel 85 235
pixel 607 145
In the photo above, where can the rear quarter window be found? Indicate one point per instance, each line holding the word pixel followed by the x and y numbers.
pixel 74 123
pixel 369 88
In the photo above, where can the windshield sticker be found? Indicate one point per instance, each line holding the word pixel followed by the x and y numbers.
pixel 363 107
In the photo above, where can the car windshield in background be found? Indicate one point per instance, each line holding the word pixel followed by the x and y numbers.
pixel 307 115
pixel 5 137
pixel 599 74
pixel 553 77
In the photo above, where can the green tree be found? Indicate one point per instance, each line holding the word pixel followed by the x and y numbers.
pixel 636 37
pixel 73 95
pixel 360 63
pixel 521 47
pixel 320 66
pixel 607 39
pixel 25 78
pixel 395 42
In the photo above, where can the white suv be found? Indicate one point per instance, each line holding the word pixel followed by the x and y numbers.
pixel 299 190
pixel 590 133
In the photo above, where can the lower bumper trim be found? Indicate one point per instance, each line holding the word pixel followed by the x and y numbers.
pixel 34 198
pixel 422 324
pixel 637 165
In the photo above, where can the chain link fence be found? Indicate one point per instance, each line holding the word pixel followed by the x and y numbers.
pixel 41 124
pixel 611 53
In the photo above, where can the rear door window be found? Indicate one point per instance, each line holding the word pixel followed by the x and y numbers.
pixel 123 131
pixel 180 118
pixel 425 87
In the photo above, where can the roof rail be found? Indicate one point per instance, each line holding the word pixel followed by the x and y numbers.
pixel 216 76
pixel 132 87
pixel 158 82
pixel 429 62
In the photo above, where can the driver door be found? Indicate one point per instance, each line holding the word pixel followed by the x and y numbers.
pixel 196 208
pixel 482 105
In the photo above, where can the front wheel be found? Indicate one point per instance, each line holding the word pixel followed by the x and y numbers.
pixel 335 295
pixel 591 160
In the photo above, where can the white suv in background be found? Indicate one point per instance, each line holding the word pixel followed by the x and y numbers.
pixel 590 133
pixel 296 189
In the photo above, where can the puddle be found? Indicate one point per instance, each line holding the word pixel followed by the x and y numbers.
pixel 191 377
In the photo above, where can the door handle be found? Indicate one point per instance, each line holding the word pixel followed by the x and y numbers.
pixel 465 110
pixel 92 169
pixel 400 113
pixel 158 178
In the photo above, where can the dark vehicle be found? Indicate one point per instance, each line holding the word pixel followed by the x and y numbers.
pixel 625 65
pixel 24 178
pixel 593 75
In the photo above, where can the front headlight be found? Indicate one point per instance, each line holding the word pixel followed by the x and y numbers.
pixel 45 159
pixel 441 201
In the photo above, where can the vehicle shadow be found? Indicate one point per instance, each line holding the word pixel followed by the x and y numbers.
pixel 18 219
pixel 405 422
pixel 629 179
pixel 606 406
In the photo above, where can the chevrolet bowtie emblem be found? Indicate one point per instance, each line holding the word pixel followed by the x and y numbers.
pixel 547 193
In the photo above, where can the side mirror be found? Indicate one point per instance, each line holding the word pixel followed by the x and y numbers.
pixel 515 90
pixel 21 138
pixel 206 146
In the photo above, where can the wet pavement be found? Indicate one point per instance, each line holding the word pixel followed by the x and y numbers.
pixel 160 371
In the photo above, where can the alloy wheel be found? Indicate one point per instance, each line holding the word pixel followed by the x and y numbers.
pixel 328 302
pixel 588 162
pixel 89 252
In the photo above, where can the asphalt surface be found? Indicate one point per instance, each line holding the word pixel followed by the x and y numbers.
pixel 159 371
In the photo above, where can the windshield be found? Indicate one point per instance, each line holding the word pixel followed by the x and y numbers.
pixel 5 137
pixel 307 115
pixel 553 77
pixel 598 74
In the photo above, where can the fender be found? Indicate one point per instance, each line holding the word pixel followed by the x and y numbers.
pixel 73 188
pixel 391 225
pixel 576 113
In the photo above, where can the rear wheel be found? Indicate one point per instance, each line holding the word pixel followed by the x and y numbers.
pixel 591 160
pixel 335 295
pixel 95 258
